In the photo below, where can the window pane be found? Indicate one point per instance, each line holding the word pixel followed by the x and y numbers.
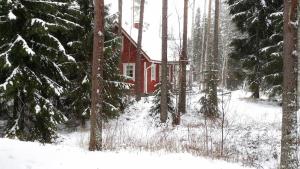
pixel 129 71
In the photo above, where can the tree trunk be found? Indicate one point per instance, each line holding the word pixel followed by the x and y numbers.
pixel 192 64
pixel 164 80
pixel 207 46
pixel 214 63
pixel 204 43
pixel 138 87
pixel 120 5
pixel 97 81
pixel 183 62
pixel 289 152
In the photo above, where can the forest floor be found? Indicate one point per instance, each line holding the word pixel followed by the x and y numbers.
pixel 134 140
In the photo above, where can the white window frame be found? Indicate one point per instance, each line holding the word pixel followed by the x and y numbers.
pixel 125 65
pixel 153 71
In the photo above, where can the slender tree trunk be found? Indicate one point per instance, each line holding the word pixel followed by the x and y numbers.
pixel 298 52
pixel 138 87
pixel 183 62
pixel 97 74
pixel 289 159
pixel 213 66
pixel 204 43
pixel 192 64
pixel 207 45
pixel 120 5
pixel 298 80
pixel 164 80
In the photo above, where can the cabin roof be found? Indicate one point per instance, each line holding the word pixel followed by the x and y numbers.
pixel 151 40
pixel 149 59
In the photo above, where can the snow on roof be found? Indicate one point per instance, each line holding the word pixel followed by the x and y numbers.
pixel 151 40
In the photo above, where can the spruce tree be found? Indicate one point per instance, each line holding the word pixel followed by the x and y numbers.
pixel 259 52
pixel 78 97
pixel 155 109
pixel 33 51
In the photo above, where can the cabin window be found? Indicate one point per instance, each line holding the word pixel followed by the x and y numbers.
pixel 128 69
pixel 153 72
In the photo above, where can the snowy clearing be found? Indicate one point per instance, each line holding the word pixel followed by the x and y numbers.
pixel 27 155
pixel 252 131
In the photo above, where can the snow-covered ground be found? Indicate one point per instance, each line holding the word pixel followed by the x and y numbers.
pixel 251 131
pixel 251 138
pixel 27 155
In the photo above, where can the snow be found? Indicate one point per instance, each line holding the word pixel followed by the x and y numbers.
pixel 276 14
pixel 58 90
pixel 85 80
pixel 151 41
pixel 37 109
pixel 100 33
pixel 42 22
pixel 252 131
pixel 263 3
pixel 11 16
pixel 61 48
pixel 8 80
pixel 25 45
pixel 24 155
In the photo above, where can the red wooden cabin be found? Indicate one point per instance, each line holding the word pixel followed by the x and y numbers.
pixel 151 69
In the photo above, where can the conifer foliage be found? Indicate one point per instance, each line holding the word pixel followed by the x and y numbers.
pixel 155 109
pixel 33 48
pixel 78 100
pixel 260 51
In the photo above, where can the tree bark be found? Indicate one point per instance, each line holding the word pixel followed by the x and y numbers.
pixel 97 81
pixel 204 43
pixel 120 5
pixel 164 80
pixel 214 62
pixel 138 87
pixel 183 62
pixel 192 67
pixel 289 159
pixel 207 46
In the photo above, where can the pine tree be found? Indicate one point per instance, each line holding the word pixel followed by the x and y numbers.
pixel 156 108
pixel 33 51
